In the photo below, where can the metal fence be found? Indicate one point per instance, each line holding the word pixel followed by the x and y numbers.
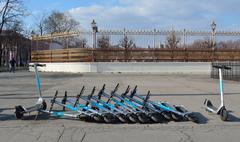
pixel 233 74
pixel 141 38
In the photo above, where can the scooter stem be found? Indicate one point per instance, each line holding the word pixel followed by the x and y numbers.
pixel 38 85
pixel 221 86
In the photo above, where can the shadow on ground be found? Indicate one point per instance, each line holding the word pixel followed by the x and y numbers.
pixel 201 118
pixel 233 118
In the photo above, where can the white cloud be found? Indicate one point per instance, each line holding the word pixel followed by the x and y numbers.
pixel 159 14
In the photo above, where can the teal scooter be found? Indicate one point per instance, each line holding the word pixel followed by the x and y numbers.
pixel 221 110
pixel 40 104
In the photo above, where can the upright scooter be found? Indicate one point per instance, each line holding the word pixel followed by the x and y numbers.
pixel 40 104
pixel 221 110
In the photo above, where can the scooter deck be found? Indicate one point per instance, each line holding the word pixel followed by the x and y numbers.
pixel 33 108
pixel 209 106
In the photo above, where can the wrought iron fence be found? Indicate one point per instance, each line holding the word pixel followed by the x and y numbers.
pixel 233 74
pixel 141 38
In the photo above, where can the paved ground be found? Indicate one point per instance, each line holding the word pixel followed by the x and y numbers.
pixel 189 90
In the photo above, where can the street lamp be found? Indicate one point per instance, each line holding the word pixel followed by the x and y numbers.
pixel 94 37
pixel 213 26
pixel 95 30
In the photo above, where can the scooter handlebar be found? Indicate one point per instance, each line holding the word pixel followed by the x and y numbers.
pixel 38 65
pixel 222 67
pixel 41 65
pixel 116 88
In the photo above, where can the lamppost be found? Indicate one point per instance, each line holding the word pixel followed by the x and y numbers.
pixel 213 26
pixel 31 48
pixel 94 36
pixel 154 38
pixel 94 32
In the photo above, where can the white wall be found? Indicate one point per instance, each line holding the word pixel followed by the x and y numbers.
pixel 131 67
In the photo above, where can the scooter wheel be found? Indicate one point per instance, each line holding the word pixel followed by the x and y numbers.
pixel 82 117
pixel 97 118
pixel 176 117
pixel 167 115
pixel 44 105
pixel 143 118
pixel 18 112
pixel 122 118
pixel 157 117
pixel 223 114
pixel 132 117
pixel 108 118
pixel 181 109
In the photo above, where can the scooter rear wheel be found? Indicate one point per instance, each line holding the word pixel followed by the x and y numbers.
pixel 181 109
pixel 132 117
pixel 143 118
pixel 44 105
pixel 18 112
pixel 167 115
pixel 176 117
pixel 122 118
pixel 108 118
pixel 97 118
pixel 157 117
pixel 223 114
pixel 84 117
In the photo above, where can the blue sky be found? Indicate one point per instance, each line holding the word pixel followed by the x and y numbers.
pixel 143 14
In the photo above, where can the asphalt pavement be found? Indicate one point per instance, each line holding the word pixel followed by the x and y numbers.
pixel 188 90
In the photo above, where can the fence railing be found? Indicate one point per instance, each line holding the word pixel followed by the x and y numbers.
pixel 135 55
pixel 142 38
pixel 233 74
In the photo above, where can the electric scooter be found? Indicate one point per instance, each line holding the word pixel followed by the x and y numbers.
pixel 221 110
pixel 120 114
pixel 128 111
pixel 40 104
pixel 141 115
pixel 90 114
pixel 81 111
pixel 175 112
pixel 106 113
pixel 148 109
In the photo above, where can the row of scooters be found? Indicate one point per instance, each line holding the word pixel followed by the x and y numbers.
pixel 127 107
pixel 113 107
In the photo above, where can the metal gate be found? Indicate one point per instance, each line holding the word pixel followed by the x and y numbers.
pixel 233 74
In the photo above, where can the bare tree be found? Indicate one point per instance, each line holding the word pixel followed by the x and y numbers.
pixel 38 27
pixel 17 26
pixel 59 22
pixel 229 44
pixel 128 45
pixel 172 40
pixel 11 11
pixel 205 43
pixel 104 42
